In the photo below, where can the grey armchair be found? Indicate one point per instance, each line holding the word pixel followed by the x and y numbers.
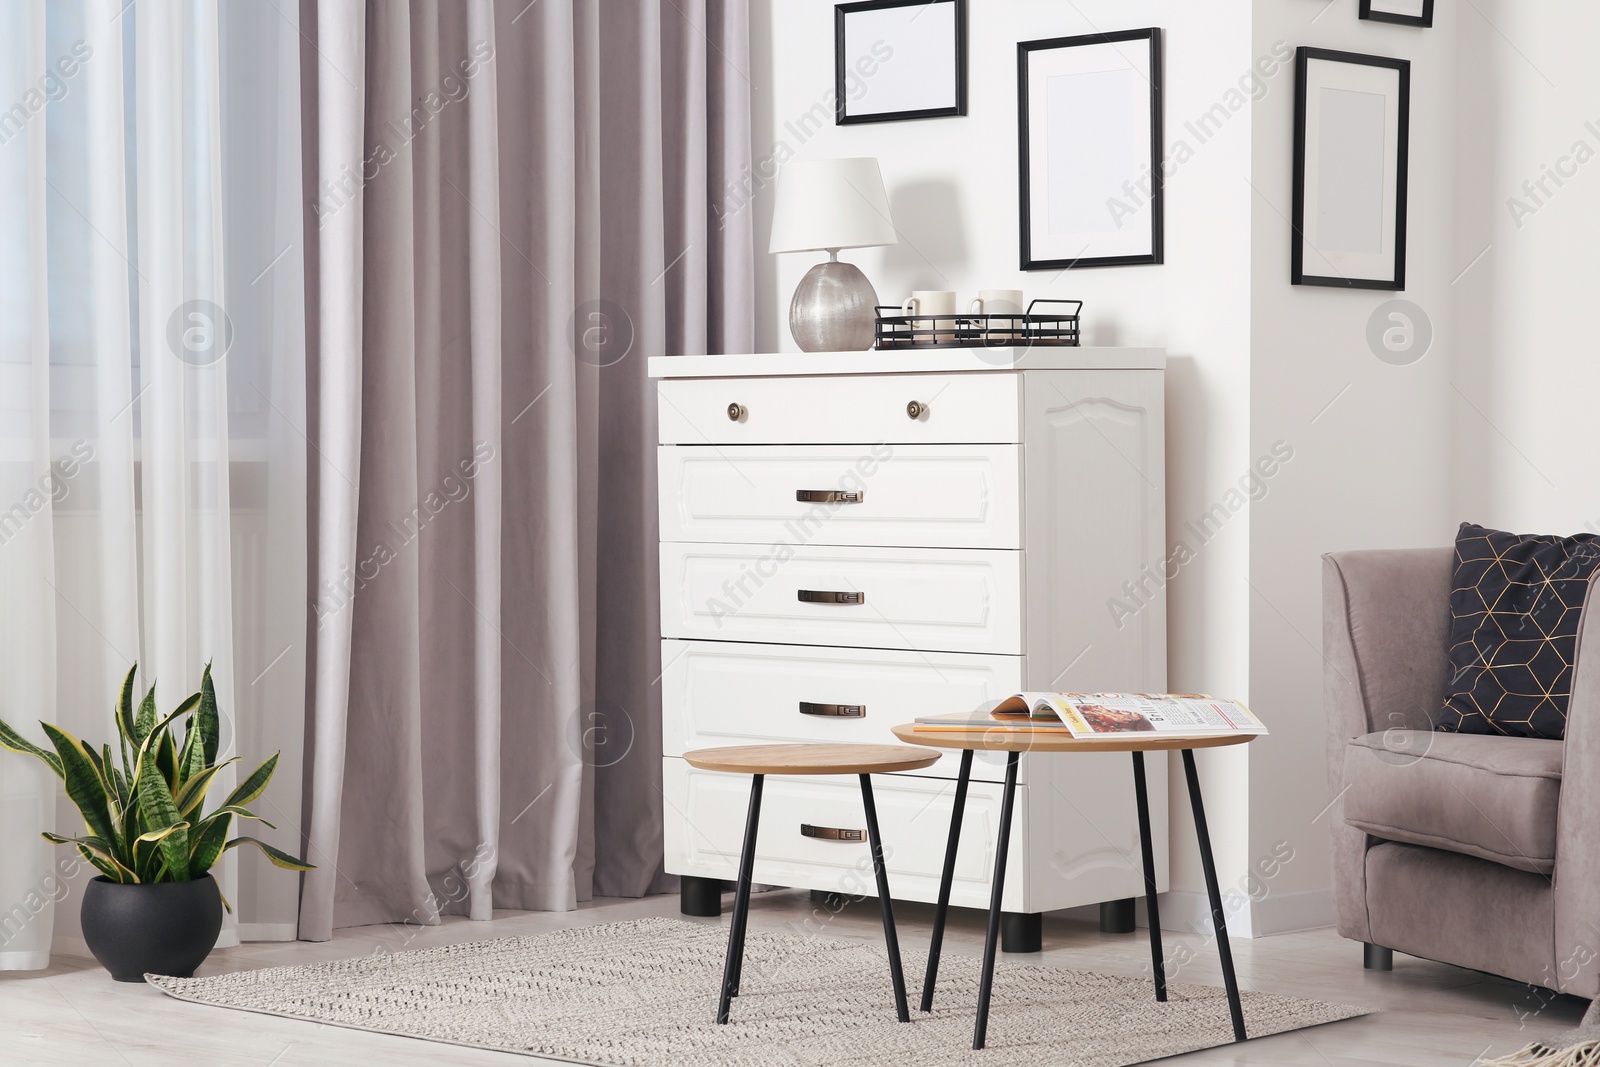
pixel 1479 851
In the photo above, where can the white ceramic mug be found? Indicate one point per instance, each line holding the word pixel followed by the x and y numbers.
pixel 998 302
pixel 932 302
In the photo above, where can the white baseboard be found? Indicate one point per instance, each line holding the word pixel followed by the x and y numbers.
pixel 1285 913
pixel 267 931
pixel 1183 911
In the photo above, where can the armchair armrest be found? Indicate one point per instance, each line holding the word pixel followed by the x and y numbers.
pixel 1385 662
pixel 1385 640
pixel 1577 874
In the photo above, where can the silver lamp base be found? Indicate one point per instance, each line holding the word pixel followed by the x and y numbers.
pixel 832 309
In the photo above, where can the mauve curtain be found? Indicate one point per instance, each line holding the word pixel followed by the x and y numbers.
pixel 509 208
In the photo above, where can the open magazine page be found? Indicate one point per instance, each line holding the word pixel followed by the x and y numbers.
pixel 1087 714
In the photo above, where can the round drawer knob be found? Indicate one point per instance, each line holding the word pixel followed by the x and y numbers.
pixel 737 412
pixel 916 409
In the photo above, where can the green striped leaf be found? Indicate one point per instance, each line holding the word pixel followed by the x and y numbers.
pixel 125 719
pixel 155 800
pixel 278 857
pixel 167 758
pixel 243 813
pixel 145 720
pixel 112 871
pixel 161 835
pixel 253 786
pixel 83 784
pixel 209 838
pixel 14 741
pixel 208 719
pixel 192 793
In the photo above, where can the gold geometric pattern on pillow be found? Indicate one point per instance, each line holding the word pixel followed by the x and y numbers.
pixel 1514 609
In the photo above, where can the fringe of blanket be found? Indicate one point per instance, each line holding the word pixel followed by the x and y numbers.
pixel 1584 1054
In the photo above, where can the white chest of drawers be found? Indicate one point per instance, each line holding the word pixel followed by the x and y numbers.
pixel 850 540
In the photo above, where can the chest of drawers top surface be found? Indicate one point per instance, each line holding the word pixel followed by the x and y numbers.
pixel 954 360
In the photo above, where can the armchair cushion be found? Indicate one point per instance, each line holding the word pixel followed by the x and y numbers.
pixel 1486 796
pixel 1514 608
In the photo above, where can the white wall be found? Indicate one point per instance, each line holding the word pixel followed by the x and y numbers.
pixel 1488 426
pixel 1529 91
pixel 952 186
pixel 1371 470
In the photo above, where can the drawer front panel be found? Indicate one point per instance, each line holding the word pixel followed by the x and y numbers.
pixel 959 409
pixel 946 600
pixel 716 693
pixel 926 496
pixel 705 813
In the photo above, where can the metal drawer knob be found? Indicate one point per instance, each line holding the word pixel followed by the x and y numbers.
pixel 836 711
pixel 916 409
pixel 737 412
pixel 831 833
pixel 830 496
pixel 830 596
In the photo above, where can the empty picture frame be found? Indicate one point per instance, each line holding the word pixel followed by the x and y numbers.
pixel 1405 12
pixel 899 59
pixel 1351 131
pixel 1089 146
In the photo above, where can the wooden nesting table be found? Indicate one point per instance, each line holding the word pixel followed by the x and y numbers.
pixel 1014 743
pixel 758 761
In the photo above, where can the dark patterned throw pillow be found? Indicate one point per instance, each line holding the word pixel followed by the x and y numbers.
pixel 1514 608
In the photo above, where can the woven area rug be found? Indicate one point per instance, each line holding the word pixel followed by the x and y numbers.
pixel 644 993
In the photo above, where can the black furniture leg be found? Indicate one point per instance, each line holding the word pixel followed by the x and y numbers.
pixel 891 942
pixel 734 964
pixel 1219 921
pixel 1117 916
pixel 981 1030
pixel 1021 931
pixel 1157 963
pixel 1376 957
pixel 700 896
pixel 942 909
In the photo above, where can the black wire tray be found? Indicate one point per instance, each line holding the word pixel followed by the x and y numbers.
pixel 893 331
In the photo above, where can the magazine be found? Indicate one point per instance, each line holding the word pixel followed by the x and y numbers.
pixel 1089 714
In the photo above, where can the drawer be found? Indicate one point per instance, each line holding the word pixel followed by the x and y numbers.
pixel 856 409
pixel 944 600
pixel 924 496
pixel 705 814
pixel 716 693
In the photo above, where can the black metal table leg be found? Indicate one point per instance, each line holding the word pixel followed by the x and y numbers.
pixel 936 942
pixel 1219 920
pixel 1157 964
pixel 734 964
pixel 891 942
pixel 981 1030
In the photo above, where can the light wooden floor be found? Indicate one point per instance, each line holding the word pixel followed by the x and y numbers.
pixel 73 1014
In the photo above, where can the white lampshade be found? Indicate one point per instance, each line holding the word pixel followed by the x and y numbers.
pixel 831 203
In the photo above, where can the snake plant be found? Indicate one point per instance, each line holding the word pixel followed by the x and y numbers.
pixel 145 818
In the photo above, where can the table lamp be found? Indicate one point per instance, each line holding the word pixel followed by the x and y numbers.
pixel 824 205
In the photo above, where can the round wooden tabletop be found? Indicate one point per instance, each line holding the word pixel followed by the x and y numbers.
pixel 811 759
pixel 1003 740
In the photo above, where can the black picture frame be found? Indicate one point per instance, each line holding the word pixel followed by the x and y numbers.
pixel 1396 281
pixel 1151 36
pixel 1424 20
pixel 841 76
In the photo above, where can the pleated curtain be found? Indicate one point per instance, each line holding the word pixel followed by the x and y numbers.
pixel 510 206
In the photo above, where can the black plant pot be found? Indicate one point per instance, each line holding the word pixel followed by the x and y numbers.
pixel 162 928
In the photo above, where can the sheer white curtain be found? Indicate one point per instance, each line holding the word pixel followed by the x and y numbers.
pixel 152 407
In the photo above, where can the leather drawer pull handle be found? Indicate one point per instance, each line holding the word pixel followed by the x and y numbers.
pixel 831 833
pixel 830 496
pixel 829 596
pixel 836 711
